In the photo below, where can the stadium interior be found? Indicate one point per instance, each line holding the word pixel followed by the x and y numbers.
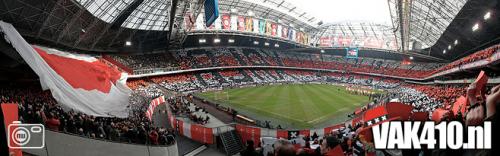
pixel 242 77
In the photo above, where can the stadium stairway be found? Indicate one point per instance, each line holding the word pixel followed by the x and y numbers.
pixel 256 75
pixel 238 58
pixel 219 77
pixel 200 79
pixel 231 142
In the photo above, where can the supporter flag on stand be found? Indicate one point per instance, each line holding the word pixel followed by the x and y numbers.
pixel 196 132
pixel 79 82
pixel 226 24
pixel 375 115
pixel 152 106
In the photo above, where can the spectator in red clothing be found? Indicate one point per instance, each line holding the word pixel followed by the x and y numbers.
pixel 52 122
pixel 153 136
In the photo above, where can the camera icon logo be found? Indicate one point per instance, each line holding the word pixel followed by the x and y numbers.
pixel 26 136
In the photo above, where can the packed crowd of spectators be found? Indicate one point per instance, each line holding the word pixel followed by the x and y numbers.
pixel 147 61
pixel 480 55
pixel 220 57
pixel 37 106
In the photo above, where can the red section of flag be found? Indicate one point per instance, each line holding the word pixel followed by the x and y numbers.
pixel 395 109
pixel 420 116
pixel 438 114
pixel 328 130
pixel 460 105
pixel 282 134
pixel 10 114
pixel 249 133
pixel 82 74
pixel 355 121
pixel 305 133
pixel 202 134
pixel 481 81
pixel 374 113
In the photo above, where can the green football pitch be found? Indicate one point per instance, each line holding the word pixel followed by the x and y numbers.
pixel 293 106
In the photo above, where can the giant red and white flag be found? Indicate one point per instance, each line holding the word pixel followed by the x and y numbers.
pixel 79 82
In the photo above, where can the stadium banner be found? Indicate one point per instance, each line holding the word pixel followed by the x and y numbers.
pixel 284 33
pixel 372 42
pixel 278 31
pixel 344 41
pixel 241 23
pixel 79 82
pixel 325 41
pixel 298 35
pixel 291 34
pixel 226 22
pixel 202 134
pixel 211 8
pixel 269 28
pixel 255 133
pixel 255 25
pixel 248 24
pixel 152 106
pixel 249 133
pixel 274 28
pixel 234 22
pixel 262 26
pixel 195 132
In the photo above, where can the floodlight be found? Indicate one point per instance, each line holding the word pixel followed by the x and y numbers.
pixel 202 40
pixel 475 27
pixel 487 15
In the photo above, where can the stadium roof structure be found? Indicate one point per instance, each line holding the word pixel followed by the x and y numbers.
pixel 278 10
pixel 149 15
pixel 426 27
pixel 423 21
